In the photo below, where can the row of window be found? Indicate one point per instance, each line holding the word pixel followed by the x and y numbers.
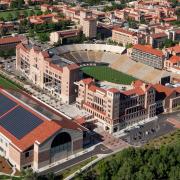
pixel 54 74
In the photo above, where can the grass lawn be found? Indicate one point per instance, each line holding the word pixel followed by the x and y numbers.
pixel 5 14
pixel 104 73
pixel 76 167
pixel 169 139
pixel 3 177
pixel 7 84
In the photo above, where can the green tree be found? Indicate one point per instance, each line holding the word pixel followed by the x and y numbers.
pixel 25 13
pixel 169 43
pixel 28 174
pixel 9 17
pixel 31 33
pixel 4 31
pixel 2 19
pixel 30 13
pixel 43 37
pixel 14 4
pixel 174 173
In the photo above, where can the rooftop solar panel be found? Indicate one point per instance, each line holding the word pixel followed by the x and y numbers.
pixel 5 104
pixel 20 122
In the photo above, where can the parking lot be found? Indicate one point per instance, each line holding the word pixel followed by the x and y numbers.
pixel 8 64
pixel 143 133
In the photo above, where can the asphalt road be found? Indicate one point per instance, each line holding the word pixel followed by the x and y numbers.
pixel 100 149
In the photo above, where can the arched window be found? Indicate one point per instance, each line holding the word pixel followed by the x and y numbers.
pixel 61 143
pixel 60 139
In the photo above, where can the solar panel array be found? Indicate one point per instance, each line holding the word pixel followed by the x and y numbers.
pixel 19 121
pixel 5 104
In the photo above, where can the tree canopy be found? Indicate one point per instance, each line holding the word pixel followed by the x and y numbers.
pixel 138 164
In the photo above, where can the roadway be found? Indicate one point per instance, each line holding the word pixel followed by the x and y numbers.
pixel 99 149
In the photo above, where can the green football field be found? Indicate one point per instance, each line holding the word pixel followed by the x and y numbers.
pixel 104 73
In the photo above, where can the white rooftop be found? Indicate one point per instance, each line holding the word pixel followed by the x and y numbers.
pixel 72 111
pixel 108 85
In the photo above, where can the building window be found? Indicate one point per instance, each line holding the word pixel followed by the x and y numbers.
pixel 27 154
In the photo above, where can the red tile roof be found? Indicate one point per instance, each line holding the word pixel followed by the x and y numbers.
pixel 71 10
pixel 169 19
pixel 45 5
pixel 163 27
pixel 124 31
pixel 176 49
pixel 177 31
pixel 80 120
pixel 45 16
pixel 9 40
pixel 137 83
pixel 165 89
pixel 72 66
pixel 95 88
pixel 7 25
pixel 87 80
pixel 40 19
pixel 135 91
pixel 177 89
pixel 148 49
pixel 158 35
pixel 68 33
pixel 175 59
pixel 113 90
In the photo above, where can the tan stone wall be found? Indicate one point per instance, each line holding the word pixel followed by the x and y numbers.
pixel 14 156
pixel 68 88
pixel 122 38
pixel 42 152
pixel 39 66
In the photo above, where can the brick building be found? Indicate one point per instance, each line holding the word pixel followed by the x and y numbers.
pixel 28 139
pixel 147 55
pixel 10 42
pixel 59 36
pixel 124 36
pixel 166 98
pixel 88 23
pixel 116 109
pixel 48 71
